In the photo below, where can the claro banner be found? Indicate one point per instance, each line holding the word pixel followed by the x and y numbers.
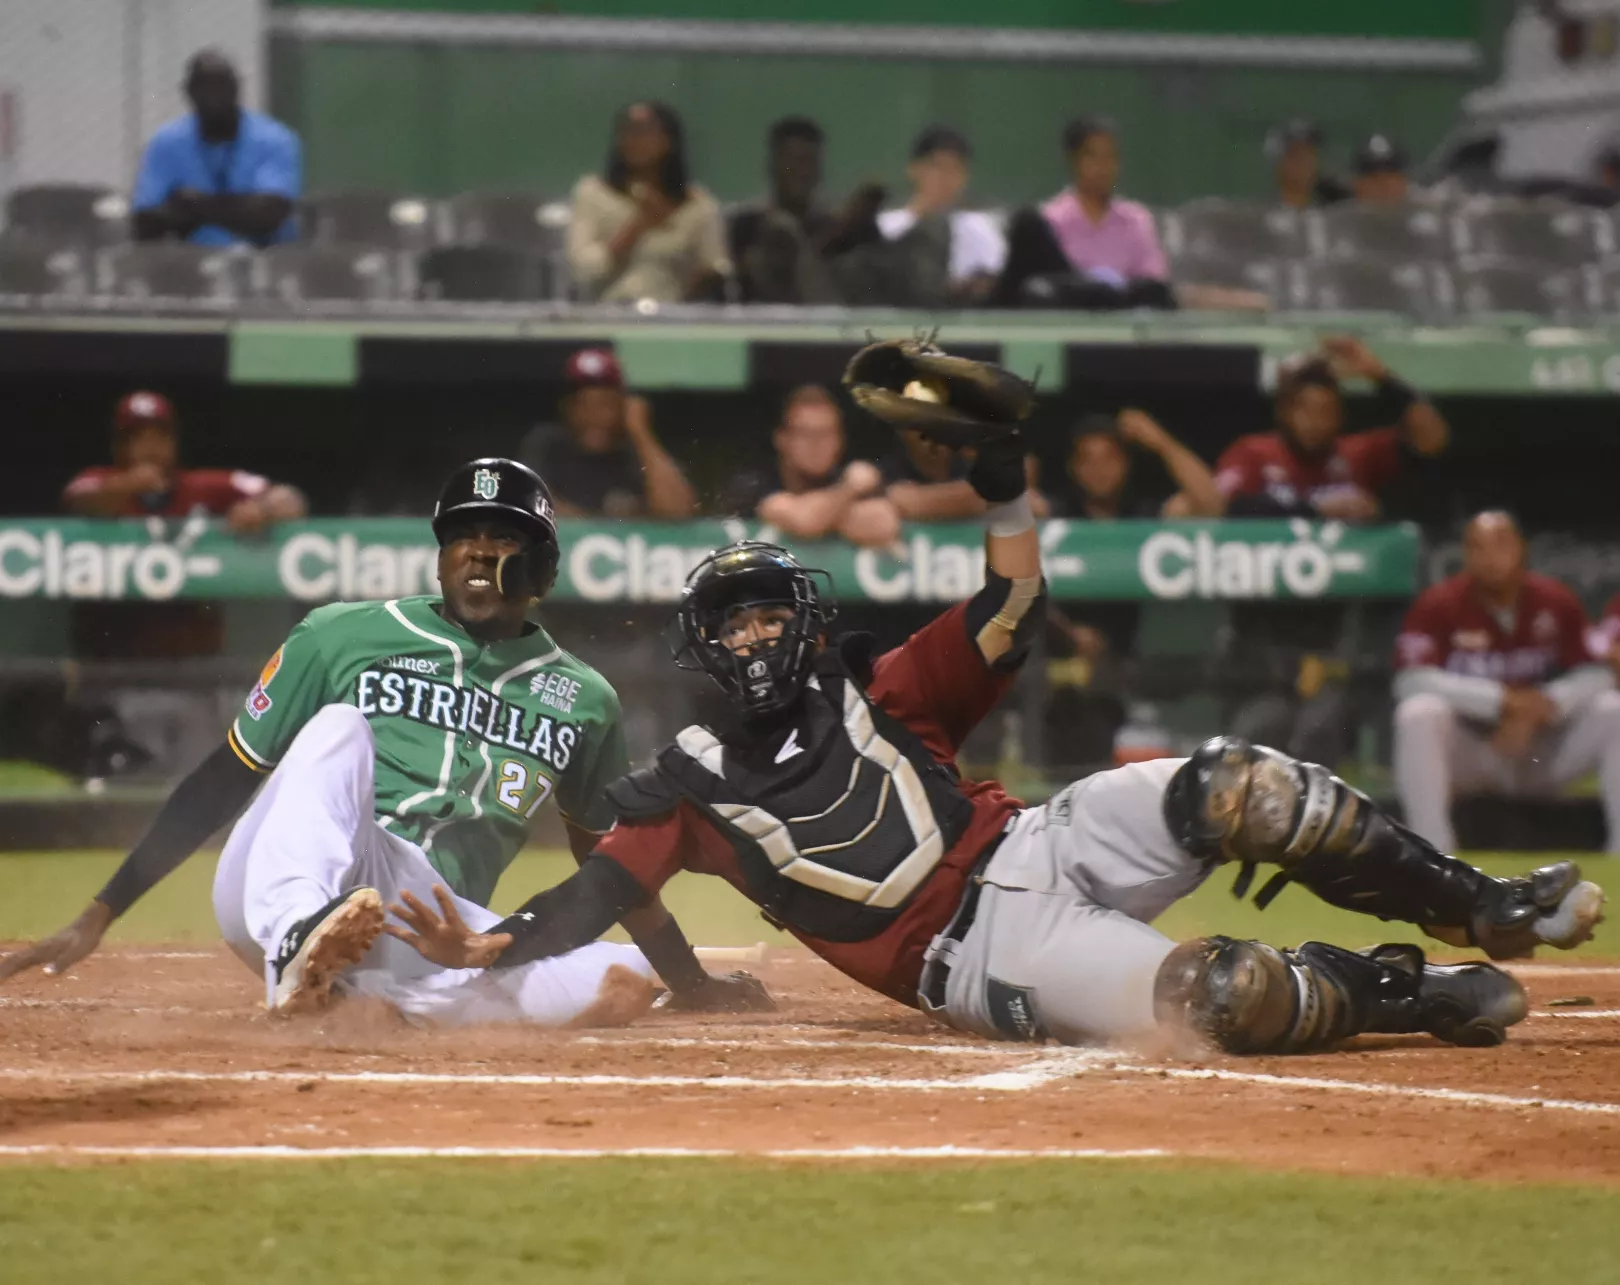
pixel 324 560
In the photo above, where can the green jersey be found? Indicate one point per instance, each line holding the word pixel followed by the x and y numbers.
pixel 471 737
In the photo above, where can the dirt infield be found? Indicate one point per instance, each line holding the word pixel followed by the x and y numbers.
pixel 163 1053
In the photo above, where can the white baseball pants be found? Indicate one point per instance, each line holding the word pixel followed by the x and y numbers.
pixel 312 834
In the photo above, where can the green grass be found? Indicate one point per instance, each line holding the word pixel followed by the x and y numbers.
pixel 39 892
pixel 707 1222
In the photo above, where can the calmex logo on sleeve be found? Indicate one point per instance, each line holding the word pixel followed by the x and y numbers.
pixel 258 701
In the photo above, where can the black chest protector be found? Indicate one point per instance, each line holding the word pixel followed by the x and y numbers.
pixel 835 823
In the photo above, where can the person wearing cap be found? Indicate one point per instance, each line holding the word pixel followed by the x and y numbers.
pixel 1290 655
pixel 975 249
pixel 1295 149
pixel 145 478
pixel 1380 172
pixel 604 459
pixel 222 174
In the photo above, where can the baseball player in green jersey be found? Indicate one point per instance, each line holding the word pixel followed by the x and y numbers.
pixel 402 745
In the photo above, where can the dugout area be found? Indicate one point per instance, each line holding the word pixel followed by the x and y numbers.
pixel 842 1137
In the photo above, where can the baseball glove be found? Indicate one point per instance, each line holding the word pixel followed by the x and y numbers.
pixel 737 992
pixel 954 401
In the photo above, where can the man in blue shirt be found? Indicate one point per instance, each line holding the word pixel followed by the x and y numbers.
pixel 222 174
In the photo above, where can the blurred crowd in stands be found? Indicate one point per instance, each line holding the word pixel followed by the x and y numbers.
pixel 646 232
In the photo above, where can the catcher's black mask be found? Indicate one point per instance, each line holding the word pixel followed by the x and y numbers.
pixel 750 574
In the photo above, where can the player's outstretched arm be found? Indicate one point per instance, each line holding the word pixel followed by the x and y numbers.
pixel 200 804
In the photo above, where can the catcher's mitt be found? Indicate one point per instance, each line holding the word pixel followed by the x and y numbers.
pixel 951 400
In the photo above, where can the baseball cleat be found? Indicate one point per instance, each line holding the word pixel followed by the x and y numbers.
pixel 317 949
pixel 1469 1004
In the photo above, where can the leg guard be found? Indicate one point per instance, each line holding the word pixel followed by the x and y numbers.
pixel 1233 801
pixel 1247 997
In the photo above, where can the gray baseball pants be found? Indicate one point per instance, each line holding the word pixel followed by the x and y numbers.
pixel 1061 945
pixel 1439 755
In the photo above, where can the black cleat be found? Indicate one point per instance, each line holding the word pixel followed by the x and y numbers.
pixel 1469 1004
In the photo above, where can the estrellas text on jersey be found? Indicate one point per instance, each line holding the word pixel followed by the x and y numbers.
pixel 466 709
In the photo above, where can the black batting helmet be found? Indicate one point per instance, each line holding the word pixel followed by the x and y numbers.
pixel 497 489
pixel 748 574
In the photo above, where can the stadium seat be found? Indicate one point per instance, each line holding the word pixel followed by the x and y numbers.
pixel 29 266
pixel 294 273
pixel 1488 284
pixel 395 220
pixel 174 270
pixel 1368 285
pixel 484 272
pixel 92 215
pixel 1234 271
pixel 1565 236
pixel 1398 234
pixel 1232 228
pixel 524 220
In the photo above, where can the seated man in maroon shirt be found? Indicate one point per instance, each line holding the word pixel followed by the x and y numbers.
pixel 1502 688
pixel 831 799
pixel 145 477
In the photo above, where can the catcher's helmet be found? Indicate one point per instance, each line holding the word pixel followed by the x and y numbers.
pixel 504 490
pixel 747 574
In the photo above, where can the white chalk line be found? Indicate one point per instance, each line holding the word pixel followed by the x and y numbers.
pixel 49 1150
pixel 1578 1012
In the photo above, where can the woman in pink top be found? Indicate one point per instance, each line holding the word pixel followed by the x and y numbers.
pixel 1086 247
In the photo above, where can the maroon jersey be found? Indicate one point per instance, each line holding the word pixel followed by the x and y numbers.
pixel 1266 464
pixel 196 490
pixel 939 686
pixel 1450 627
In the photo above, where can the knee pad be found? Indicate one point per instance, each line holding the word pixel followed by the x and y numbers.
pixel 1247 997
pixel 1234 801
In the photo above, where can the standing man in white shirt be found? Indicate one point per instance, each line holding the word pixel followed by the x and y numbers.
pixel 938 173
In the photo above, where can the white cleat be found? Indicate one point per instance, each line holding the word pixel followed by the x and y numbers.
pixel 317 949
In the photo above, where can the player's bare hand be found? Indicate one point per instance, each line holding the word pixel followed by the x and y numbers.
pixel 60 951
pixel 1140 427
pixel 1349 504
pixel 1513 737
pixel 1349 356
pixel 862 477
pixel 247 517
pixel 637 416
pixel 147 478
pixel 1529 705
pixel 444 938
pixel 737 992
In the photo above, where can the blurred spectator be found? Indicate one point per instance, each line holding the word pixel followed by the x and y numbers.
pixel 603 460
pixel 1604 190
pixel 790 248
pixel 1094 642
pixel 927 482
pixel 975 249
pixel 1290 655
pixel 1380 173
pixel 1097 484
pixel 1499 690
pixel 642 229
pixel 1295 148
pixel 810 492
pixel 1305 466
pixel 1086 247
pixel 145 477
pixel 221 175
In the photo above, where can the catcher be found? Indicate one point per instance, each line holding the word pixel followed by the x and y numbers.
pixel 832 802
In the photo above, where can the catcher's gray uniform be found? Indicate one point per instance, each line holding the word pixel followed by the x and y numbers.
pixel 1061 944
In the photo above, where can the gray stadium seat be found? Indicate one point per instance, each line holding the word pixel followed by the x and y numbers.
pixel 294 273
pixel 524 220
pixel 484 273
pixel 93 215
pixel 1485 285
pixel 396 220
pixel 29 266
pixel 1217 227
pixel 1234 271
pixel 1398 233
pixel 1368 285
pixel 174 270
pixel 1554 233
